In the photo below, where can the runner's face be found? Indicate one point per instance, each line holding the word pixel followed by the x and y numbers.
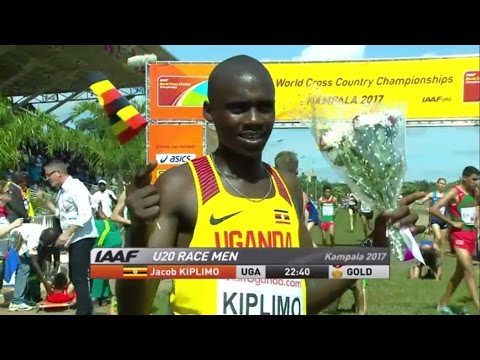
pixel 471 182
pixel 441 185
pixel 328 192
pixel 243 112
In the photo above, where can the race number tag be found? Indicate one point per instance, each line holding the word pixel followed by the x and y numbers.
pixel 260 297
pixel 468 215
pixel 327 210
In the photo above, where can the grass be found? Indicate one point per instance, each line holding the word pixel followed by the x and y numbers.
pixel 395 296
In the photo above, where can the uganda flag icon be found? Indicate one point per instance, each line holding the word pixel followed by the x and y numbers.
pixel 281 216
pixel 135 272
pixel 125 121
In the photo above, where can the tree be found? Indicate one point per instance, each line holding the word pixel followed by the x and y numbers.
pixel 95 143
pixel 21 129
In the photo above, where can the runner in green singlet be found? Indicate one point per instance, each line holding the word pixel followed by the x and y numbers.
pixel 328 208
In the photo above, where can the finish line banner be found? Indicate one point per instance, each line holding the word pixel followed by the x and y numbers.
pixel 262 263
pixel 431 88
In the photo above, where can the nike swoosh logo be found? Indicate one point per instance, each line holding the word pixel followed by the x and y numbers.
pixel 216 221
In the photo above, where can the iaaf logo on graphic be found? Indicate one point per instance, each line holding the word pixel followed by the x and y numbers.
pixel 173 159
pixel 113 255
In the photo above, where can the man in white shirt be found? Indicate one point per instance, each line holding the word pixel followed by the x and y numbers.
pixel 106 197
pixel 28 239
pixel 73 208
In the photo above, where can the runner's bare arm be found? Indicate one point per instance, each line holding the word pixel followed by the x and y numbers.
pixel 444 201
pixel 305 199
pixel 117 214
pixel 39 272
pixel 427 197
pixel 136 297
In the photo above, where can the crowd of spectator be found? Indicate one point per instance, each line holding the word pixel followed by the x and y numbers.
pixel 37 159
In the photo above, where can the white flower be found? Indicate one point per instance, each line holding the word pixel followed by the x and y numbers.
pixel 337 133
pixel 370 119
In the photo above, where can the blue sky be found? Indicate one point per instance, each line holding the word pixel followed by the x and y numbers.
pixel 431 152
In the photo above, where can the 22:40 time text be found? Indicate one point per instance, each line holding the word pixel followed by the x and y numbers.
pixel 354 99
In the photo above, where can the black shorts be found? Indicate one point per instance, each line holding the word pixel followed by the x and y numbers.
pixel 440 223
pixel 353 207
pixel 368 215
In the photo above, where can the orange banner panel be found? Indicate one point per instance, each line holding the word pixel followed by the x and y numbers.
pixel 177 92
pixel 173 145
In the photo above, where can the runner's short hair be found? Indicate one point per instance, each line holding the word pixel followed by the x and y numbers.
pixel 287 161
pixel 469 171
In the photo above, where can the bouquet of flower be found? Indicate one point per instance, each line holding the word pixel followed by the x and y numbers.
pixel 368 151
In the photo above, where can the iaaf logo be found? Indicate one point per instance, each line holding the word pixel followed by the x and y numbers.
pixel 471 74
pixel 171 159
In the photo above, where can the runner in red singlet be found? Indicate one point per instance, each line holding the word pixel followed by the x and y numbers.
pixel 463 203
pixel 62 291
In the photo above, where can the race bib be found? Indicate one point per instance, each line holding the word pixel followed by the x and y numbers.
pixel 327 210
pixel 468 215
pixel 365 208
pixel 260 297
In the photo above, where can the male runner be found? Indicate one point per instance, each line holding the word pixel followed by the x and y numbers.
pixel 438 226
pixel 328 210
pixel 366 214
pixel 231 199
pixel 462 202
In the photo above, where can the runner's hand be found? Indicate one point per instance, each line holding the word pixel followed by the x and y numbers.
pixel 142 198
pixel 402 216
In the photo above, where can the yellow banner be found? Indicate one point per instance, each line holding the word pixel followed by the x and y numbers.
pixel 428 88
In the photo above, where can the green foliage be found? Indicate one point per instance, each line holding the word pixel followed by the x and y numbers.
pixel 92 140
pixel 315 187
